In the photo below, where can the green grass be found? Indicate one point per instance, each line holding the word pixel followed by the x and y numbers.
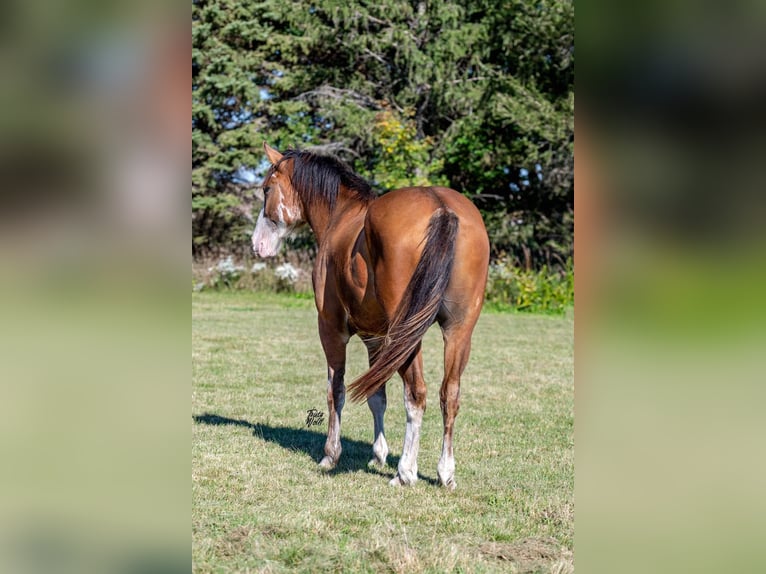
pixel 260 503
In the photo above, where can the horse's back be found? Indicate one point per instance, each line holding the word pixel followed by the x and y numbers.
pixel 407 212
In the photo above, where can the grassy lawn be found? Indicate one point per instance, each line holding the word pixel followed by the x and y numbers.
pixel 260 503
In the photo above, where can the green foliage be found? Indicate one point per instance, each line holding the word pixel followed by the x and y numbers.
pixel 226 275
pixel 509 287
pixel 400 158
pixel 541 291
pixel 477 95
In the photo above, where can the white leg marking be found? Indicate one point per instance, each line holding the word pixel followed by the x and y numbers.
pixel 332 447
pixel 408 464
pixel 377 404
pixel 446 466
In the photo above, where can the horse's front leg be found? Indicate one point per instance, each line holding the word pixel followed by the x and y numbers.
pixel 377 403
pixel 334 345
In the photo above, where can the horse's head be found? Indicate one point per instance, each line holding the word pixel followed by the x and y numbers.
pixel 282 209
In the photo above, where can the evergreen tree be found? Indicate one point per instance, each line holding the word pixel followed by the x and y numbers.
pixel 478 95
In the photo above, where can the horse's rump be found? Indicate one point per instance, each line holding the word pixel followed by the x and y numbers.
pixel 419 305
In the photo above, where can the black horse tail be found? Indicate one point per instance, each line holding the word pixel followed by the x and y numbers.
pixel 418 308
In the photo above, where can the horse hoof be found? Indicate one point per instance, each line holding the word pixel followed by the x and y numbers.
pixel 399 481
pixel 375 463
pixel 450 484
pixel 326 464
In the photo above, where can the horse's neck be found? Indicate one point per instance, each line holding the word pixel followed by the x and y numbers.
pixel 341 260
pixel 318 218
pixel 347 214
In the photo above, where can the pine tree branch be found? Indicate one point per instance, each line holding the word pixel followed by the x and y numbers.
pixel 352 96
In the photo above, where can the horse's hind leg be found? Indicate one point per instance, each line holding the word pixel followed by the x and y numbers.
pixel 457 348
pixel 415 405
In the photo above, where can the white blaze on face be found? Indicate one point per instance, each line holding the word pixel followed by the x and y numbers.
pixel 267 237
pixel 287 215
pixel 268 234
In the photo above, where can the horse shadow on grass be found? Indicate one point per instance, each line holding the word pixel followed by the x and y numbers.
pixel 355 456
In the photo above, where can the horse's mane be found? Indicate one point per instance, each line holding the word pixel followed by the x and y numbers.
pixel 317 178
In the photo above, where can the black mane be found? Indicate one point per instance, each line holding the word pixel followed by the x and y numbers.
pixel 317 178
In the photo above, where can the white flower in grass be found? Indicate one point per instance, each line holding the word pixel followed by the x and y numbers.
pixel 227 266
pixel 287 272
pixel 260 266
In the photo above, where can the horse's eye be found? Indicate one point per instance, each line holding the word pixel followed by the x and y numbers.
pixel 266 191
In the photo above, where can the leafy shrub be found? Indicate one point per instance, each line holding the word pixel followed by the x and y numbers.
pixel 399 156
pixel 228 275
pixel 539 291
pixel 508 286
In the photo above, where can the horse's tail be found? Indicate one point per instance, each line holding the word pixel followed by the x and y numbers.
pixel 418 308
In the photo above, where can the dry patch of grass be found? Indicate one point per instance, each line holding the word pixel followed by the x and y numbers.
pixel 530 555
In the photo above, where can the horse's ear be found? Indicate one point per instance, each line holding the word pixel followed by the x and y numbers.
pixel 273 155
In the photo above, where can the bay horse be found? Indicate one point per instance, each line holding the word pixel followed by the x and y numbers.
pixel 387 268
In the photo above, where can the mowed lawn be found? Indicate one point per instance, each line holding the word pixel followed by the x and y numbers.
pixel 261 504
